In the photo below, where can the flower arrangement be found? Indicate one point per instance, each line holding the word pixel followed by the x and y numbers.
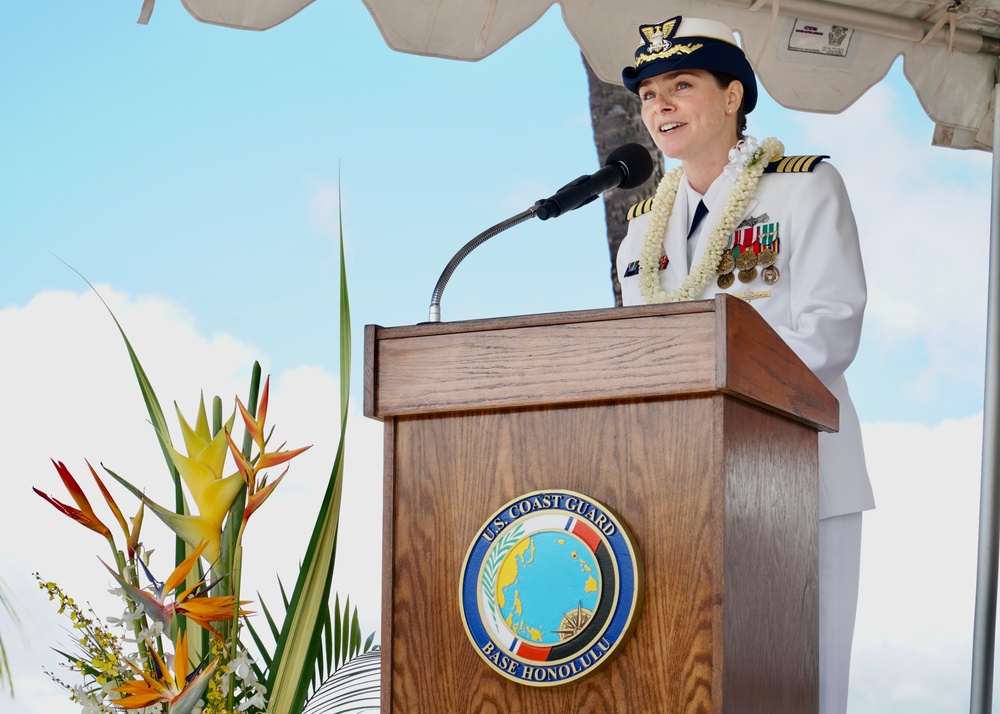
pixel 182 642
pixel 747 161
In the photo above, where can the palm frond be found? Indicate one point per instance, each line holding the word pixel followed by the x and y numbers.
pixel 354 688
pixel 336 644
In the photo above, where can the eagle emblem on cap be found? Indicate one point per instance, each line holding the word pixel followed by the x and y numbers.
pixel 658 36
pixel 658 42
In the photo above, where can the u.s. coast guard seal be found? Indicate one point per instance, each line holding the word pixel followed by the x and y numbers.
pixel 551 589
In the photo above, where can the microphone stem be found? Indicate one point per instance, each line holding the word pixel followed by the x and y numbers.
pixel 435 309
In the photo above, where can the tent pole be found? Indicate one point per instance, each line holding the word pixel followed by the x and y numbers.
pixel 984 627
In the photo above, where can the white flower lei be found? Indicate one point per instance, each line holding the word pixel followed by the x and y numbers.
pixel 745 157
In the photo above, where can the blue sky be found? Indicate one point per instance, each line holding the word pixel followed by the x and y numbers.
pixel 193 173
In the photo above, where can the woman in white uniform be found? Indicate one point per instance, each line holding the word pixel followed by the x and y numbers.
pixel 737 216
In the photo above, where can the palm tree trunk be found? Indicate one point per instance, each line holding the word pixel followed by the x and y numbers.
pixel 614 114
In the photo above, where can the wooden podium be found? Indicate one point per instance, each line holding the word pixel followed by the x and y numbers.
pixel 693 422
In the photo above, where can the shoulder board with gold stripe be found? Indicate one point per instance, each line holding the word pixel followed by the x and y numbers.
pixel 639 208
pixel 794 164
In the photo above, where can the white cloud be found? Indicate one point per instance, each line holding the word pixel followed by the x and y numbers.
pixel 913 640
pixel 923 214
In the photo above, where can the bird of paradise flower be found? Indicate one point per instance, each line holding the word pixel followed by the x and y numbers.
pixel 201 616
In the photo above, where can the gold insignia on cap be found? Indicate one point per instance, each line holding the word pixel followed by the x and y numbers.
pixel 660 43
pixel 670 52
pixel 658 36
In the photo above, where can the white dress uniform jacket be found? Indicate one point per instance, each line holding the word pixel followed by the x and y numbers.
pixel 816 306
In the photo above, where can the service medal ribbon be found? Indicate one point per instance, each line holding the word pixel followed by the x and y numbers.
pixel 767 235
pixel 632 268
pixel 744 241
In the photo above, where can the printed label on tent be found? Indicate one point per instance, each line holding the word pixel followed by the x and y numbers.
pixel 820 39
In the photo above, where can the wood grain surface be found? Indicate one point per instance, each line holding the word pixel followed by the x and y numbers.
pixel 694 423
pixel 591 356
pixel 661 467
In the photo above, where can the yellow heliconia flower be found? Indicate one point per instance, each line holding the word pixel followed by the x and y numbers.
pixel 201 470
pixel 191 529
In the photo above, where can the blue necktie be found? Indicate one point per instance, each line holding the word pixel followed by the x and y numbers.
pixel 699 213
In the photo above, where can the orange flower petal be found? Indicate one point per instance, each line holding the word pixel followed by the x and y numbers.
pixel 181 571
pixel 279 457
pixel 77 515
pixel 110 501
pixel 257 499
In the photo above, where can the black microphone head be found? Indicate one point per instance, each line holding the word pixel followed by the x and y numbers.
pixel 636 161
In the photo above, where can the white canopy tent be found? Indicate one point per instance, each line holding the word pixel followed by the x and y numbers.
pixel 950 47
pixel 813 55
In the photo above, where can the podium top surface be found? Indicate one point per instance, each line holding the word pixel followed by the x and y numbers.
pixel 610 355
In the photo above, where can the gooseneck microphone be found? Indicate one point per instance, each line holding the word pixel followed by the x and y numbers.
pixel 627 166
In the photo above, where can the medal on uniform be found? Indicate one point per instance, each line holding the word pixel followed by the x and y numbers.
pixel 753 244
pixel 744 255
pixel 767 237
pixel 746 259
pixel 726 263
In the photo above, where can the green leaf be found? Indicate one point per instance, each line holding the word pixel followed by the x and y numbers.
pixel 298 650
pixel 155 415
pixel 263 655
pixel 333 639
pixel 6 678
